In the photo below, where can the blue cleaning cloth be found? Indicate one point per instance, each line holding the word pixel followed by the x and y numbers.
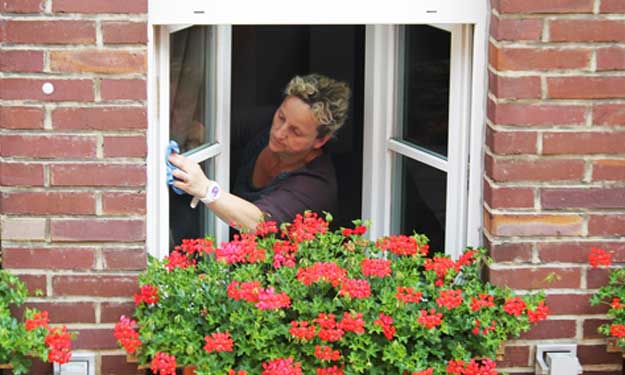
pixel 172 147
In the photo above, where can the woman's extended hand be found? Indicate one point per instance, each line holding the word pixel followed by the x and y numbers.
pixel 189 176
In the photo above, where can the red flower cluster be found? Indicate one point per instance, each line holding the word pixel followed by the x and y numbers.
pixel 163 364
pixel 408 295
pixel 427 371
pixel 386 322
pixel 242 249
pixel 514 306
pixel 475 367
pixel 355 288
pixel 599 257
pixel 334 370
pixel 284 254
pixel 302 330
pixel 148 294
pixel 269 300
pixel 431 320
pixel 449 299
pixel 351 323
pixel 440 265
pixel 247 291
pixel 177 259
pixel 305 228
pixel 486 330
pixel 616 303
pixel 240 372
pixel 266 227
pixel 329 329
pixel 195 246
pixel 401 245
pixel 282 366
pixel 617 330
pixel 320 271
pixel 59 345
pixel 466 259
pixel 125 333
pixel 485 300
pixel 326 353
pixel 541 313
pixel 39 319
pixel 359 230
pixel 218 342
pixel 376 267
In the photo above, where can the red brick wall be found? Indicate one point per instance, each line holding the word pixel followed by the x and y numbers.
pixel 72 167
pixel 555 162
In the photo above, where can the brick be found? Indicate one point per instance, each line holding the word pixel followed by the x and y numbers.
pixel 124 259
pixel 586 87
pixel 597 277
pixel 123 89
pixel 514 87
pixel 537 278
pixel 36 284
pixel 50 32
pixel 123 203
pixel 110 174
pixel 80 90
pixel 511 143
pixel 21 61
pixel 515 356
pixel 611 58
pixel 63 312
pixel 111 311
pixel 509 58
pixel 612 6
pixel 118 365
pixel 597 355
pixel 583 143
pixel 21 117
pixel 606 225
pixel 536 114
pixel 87 230
pixel 20 229
pixel 48 203
pixel 550 329
pixel 609 114
pixel 98 61
pixel 120 146
pixel 546 6
pixel 94 339
pixel 577 252
pixel 516 29
pixel 572 304
pixel 508 197
pixel 535 225
pixel 591 326
pixel 608 170
pixel 511 252
pixel 94 285
pixel 535 169
pixel 101 118
pixel 109 6
pixel 21 174
pixel 21 6
pixel 48 146
pixel 49 258
pixel 598 198
pixel 115 32
pixel 596 30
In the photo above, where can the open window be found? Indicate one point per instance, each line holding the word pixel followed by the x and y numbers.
pixel 403 158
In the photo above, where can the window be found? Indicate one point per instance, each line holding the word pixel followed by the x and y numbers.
pixel 418 131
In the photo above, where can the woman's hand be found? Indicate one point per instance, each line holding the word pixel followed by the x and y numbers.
pixel 189 176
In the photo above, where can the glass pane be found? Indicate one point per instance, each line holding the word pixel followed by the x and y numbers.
pixel 419 200
pixel 425 95
pixel 186 222
pixel 192 87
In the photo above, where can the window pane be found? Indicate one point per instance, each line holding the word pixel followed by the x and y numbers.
pixel 186 222
pixel 425 96
pixel 192 87
pixel 419 200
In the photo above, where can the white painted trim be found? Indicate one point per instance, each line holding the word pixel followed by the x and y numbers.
pixel 202 153
pixel 322 12
pixel 152 182
pixel 162 249
pixel 175 28
pixel 413 152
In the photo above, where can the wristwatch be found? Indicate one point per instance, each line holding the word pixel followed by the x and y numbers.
pixel 212 194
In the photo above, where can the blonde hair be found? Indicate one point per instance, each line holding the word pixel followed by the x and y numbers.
pixel 328 100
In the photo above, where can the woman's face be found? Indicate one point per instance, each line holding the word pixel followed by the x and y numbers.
pixel 294 129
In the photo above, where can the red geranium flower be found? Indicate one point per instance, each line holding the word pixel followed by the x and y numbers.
pixel 617 330
pixel 334 370
pixel 59 345
pixel 305 228
pixel 431 320
pixel 39 319
pixel 177 259
pixel 427 371
pixel 302 330
pixel 355 288
pixel 449 299
pixel 376 267
pixel 147 294
pixel 282 366
pixel 126 334
pixel 514 306
pixel 163 364
pixel 351 323
pixel 540 313
pixel 408 295
pixel 401 245
pixel 386 322
pixel 485 300
pixel 326 353
pixel 599 257
pixel 218 342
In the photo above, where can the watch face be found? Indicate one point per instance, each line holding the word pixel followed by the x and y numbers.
pixel 214 192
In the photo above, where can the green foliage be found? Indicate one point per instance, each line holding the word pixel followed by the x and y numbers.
pixel 613 294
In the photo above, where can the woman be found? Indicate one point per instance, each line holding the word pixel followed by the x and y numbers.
pixel 288 172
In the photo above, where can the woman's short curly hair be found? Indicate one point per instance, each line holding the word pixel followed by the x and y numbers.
pixel 328 100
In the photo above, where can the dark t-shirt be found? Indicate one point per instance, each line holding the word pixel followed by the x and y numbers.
pixel 311 187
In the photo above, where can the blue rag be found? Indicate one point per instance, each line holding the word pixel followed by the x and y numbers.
pixel 172 147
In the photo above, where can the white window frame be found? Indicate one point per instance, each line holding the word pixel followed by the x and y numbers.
pixel 467 90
